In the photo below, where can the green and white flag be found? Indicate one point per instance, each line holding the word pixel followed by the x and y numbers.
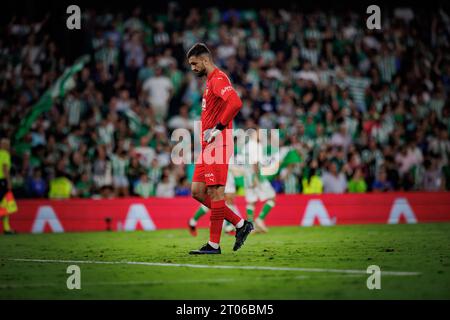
pixel 282 159
pixel 289 155
pixel 134 120
pixel 58 89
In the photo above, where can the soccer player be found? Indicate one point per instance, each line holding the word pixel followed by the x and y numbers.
pixel 220 104
pixel 257 186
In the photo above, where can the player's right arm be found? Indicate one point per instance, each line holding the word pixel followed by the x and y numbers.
pixel 223 89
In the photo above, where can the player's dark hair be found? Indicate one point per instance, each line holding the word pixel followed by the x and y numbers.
pixel 197 50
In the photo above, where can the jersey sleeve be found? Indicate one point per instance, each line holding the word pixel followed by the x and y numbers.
pixel 222 87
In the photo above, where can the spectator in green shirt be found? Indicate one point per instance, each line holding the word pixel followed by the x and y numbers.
pixel 84 186
pixel 357 184
pixel 144 188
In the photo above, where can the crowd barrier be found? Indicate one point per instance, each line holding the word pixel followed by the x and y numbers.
pixel 79 215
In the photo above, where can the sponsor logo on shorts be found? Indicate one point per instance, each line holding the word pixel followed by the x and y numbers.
pixel 210 177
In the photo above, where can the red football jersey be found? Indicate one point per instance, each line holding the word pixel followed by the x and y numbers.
pixel 218 88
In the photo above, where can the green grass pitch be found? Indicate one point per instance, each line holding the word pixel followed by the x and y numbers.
pixel 423 248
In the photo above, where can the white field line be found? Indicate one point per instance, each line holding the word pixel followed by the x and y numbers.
pixel 204 266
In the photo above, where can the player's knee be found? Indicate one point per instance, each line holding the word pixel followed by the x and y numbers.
pixel 215 193
pixel 198 193
pixel 211 193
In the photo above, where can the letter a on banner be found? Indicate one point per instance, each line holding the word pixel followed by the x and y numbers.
pixel 316 209
pixel 138 214
pixel 46 215
pixel 401 208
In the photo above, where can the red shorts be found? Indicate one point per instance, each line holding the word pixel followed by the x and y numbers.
pixel 212 165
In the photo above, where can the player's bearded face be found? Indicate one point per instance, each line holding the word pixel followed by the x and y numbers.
pixel 197 66
pixel 201 72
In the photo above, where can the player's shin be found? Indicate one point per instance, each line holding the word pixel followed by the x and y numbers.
pixel 229 214
pixel 266 209
pixel 201 211
pixel 217 216
pixel 233 208
pixel 250 211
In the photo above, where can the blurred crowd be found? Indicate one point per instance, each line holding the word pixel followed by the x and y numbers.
pixel 367 110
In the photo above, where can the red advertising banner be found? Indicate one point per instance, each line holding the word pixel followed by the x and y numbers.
pixel 37 216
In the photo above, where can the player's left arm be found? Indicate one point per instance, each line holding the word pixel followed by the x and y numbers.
pixel 223 89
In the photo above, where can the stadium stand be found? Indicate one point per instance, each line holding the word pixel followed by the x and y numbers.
pixel 367 110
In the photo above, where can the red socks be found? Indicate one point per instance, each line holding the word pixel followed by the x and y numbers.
pixel 232 217
pixel 217 216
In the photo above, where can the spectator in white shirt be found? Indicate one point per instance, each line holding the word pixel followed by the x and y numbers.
pixel 432 177
pixel 341 138
pixel 440 145
pixel 334 181
pixel 159 91
pixel 408 157
pixel 226 50
pixel 166 187
pixel 181 120
pixel 145 153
